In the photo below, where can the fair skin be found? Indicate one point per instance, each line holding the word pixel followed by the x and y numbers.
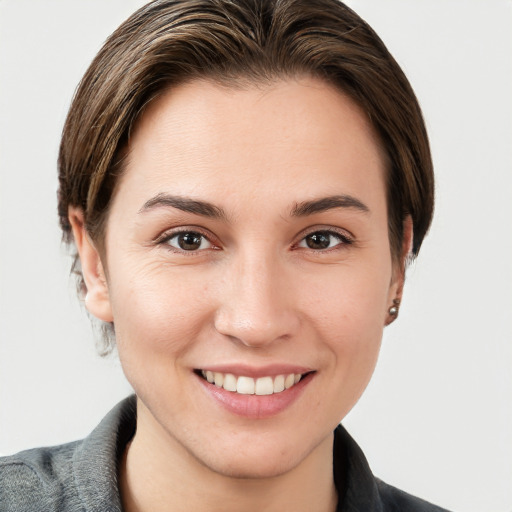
pixel 280 266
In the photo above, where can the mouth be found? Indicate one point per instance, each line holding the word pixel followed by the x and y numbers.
pixel 244 385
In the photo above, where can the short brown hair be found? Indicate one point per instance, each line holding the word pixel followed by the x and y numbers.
pixel 168 42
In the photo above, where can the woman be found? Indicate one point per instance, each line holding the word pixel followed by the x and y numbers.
pixel 244 183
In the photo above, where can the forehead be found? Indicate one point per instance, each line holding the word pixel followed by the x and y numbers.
pixel 302 135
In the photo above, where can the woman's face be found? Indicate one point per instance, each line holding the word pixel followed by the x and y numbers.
pixel 248 242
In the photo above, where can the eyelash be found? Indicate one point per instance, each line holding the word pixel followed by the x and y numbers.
pixel 343 238
pixel 166 237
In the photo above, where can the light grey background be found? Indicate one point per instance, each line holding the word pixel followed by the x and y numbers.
pixel 437 417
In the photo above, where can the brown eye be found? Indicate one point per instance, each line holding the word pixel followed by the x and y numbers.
pixel 321 240
pixel 318 240
pixel 189 241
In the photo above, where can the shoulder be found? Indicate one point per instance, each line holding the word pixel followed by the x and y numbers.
pixel 361 490
pixel 395 500
pixel 72 477
pixel 34 479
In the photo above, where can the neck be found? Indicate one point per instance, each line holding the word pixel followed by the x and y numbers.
pixel 157 474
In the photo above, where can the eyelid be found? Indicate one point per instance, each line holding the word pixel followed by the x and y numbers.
pixel 346 238
pixel 166 235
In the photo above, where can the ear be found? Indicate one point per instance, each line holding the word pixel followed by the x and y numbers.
pixel 397 283
pixel 97 299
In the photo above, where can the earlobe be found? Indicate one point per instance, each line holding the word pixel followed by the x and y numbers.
pixel 97 299
pixel 397 284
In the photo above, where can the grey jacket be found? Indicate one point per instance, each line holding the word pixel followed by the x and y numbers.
pixel 82 476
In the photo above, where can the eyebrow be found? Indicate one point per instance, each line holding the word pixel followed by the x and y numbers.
pixel 206 209
pixel 328 203
pixel 185 204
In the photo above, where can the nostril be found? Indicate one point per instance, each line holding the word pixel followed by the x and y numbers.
pixel 258 331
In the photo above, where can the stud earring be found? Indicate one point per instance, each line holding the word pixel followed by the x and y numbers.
pixel 393 310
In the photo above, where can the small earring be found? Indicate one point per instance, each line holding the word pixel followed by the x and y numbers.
pixel 393 310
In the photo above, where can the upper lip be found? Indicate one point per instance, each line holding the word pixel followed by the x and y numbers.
pixel 256 371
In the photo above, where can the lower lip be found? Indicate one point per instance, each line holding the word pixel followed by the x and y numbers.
pixel 256 406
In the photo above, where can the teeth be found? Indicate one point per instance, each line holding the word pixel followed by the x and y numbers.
pixel 289 381
pixel 245 386
pixel 219 379
pixel 264 386
pixel 229 382
pixel 249 386
pixel 279 384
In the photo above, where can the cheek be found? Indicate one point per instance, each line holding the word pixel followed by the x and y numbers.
pixel 348 314
pixel 351 298
pixel 158 310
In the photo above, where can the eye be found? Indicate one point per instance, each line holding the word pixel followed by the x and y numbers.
pixel 322 240
pixel 188 241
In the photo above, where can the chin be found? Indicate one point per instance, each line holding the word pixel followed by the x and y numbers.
pixel 258 467
pixel 259 455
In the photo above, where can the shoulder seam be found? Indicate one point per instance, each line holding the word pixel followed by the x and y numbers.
pixel 7 464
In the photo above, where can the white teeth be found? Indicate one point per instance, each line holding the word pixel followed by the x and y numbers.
pixel 249 386
pixel 289 381
pixel 245 386
pixel 264 386
pixel 219 379
pixel 279 384
pixel 229 382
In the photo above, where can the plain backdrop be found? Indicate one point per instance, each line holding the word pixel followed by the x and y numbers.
pixel 437 418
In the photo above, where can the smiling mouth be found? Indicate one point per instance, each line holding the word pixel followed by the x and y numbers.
pixel 248 386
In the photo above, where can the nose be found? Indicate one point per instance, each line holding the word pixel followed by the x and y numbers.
pixel 256 303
